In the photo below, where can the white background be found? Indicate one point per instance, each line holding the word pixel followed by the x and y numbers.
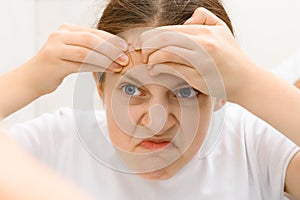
pixel 267 30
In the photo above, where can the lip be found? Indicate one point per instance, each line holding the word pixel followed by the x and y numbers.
pixel 155 144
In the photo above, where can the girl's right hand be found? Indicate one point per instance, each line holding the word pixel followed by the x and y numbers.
pixel 72 49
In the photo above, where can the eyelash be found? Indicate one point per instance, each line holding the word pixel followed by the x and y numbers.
pixel 177 93
pixel 194 93
pixel 123 87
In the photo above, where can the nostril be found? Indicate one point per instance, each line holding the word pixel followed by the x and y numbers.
pixel 157 118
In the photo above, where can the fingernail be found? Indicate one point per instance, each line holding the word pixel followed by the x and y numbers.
pixel 123 59
pixel 123 46
pixel 117 66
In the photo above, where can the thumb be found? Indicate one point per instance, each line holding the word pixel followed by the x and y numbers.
pixel 203 16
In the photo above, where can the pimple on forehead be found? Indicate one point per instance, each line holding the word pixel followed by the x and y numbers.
pixel 133 37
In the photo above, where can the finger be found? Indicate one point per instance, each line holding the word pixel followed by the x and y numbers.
pixel 70 67
pixel 193 29
pixel 97 44
pixel 161 39
pixel 87 57
pixel 190 75
pixel 173 54
pixel 209 75
pixel 118 41
pixel 197 58
pixel 203 16
pixel 84 67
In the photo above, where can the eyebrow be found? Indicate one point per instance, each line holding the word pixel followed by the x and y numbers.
pixel 139 82
pixel 132 78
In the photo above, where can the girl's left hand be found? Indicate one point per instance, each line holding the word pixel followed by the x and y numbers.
pixel 204 45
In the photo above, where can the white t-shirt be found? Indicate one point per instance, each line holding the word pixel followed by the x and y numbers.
pixel 247 161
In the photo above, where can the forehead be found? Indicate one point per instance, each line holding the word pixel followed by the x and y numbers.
pixel 132 35
pixel 141 74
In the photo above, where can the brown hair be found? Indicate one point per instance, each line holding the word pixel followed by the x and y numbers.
pixel 123 15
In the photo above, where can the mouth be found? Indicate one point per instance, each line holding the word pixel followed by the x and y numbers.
pixel 156 144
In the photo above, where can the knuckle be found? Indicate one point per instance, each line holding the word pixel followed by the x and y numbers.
pixel 81 54
pixel 200 10
pixel 207 31
pixel 48 50
pixel 210 45
pixel 86 38
pixel 50 54
pixel 101 32
pixel 210 41
pixel 64 27
pixel 54 35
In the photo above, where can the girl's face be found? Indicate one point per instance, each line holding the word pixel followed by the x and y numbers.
pixel 157 123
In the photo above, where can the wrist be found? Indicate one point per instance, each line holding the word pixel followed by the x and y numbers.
pixel 37 78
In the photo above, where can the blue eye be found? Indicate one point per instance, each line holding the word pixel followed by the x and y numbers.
pixel 131 90
pixel 187 93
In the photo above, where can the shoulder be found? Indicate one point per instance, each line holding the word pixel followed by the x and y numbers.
pixel 241 120
pixel 64 119
pixel 266 146
pixel 56 130
pixel 243 128
pixel 52 136
pixel 237 119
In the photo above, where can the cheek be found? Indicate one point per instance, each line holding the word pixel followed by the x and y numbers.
pixel 206 110
pixel 118 137
pixel 119 120
pixel 195 123
pixel 117 131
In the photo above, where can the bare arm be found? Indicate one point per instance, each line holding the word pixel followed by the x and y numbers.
pixel 16 91
pixel 21 177
pixel 263 94
pixel 69 50
pixel 271 99
pixel 256 89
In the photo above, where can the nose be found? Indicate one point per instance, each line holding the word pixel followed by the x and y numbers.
pixel 158 119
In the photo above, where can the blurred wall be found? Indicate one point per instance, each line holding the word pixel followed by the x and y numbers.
pixel 267 30
pixel 26 25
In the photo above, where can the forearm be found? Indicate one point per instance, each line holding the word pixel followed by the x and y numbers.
pixel 21 177
pixel 273 100
pixel 16 91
